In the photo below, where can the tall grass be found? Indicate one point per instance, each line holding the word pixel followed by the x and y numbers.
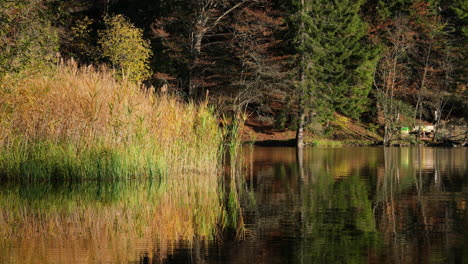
pixel 78 126
pixel 79 122
pixel 234 177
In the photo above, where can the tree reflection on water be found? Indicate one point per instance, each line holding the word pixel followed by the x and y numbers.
pixel 321 205
pixel 355 205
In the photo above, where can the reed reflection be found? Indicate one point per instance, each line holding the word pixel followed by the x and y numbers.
pixel 275 205
pixel 117 222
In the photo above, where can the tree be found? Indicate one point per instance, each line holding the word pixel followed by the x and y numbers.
pixel 334 59
pixel 391 74
pixel 349 61
pixel 249 61
pixel 416 68
pixel 183 32
pixel 123 45
pixel 28 39
pixel 430 58
pixel 307 84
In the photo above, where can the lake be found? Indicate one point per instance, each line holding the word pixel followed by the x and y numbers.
pixel 322 205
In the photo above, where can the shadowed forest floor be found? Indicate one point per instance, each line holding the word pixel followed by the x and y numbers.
pixel 344 130
pixel 341 131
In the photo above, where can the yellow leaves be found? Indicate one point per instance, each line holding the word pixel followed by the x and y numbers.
pixel 81 29
pixel 124 46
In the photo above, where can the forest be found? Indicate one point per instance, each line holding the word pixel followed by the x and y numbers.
pixel 233 131
pixel 297 65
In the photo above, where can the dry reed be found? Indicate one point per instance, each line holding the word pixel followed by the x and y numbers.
pixel 79 122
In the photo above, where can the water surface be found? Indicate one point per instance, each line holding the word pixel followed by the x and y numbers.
pixel 324 205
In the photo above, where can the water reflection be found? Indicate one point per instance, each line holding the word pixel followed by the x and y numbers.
pixel 113 222
pixel 358 205
pixel 420 197
pixel 337 205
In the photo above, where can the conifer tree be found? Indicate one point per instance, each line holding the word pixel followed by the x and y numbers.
pixel 335 62
pixel 348 62
pixel 307 52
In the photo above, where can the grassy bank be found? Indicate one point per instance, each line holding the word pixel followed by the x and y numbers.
pixel 79 122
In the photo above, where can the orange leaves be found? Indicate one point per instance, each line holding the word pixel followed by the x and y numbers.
pixel 163 76
pixel 422 8
pixel 262 17
pixel 161 33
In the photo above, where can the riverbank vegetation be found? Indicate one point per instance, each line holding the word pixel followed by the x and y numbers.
pixel 295 65
pixel 80 122
pixel 96 159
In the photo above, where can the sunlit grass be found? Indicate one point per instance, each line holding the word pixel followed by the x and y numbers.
pixel 326 143
pixel 79 122
pixel 90 159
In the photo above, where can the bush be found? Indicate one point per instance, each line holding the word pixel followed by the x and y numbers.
pixel 28 40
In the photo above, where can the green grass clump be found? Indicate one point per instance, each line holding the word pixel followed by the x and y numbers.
pixel 81 123
pixel 64 161
pixel 325 143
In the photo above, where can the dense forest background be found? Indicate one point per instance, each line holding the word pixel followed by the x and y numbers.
pixel 294 62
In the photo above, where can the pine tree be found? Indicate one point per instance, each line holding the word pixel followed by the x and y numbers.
pixel 348 62
pixel 307 52
pixel 335 62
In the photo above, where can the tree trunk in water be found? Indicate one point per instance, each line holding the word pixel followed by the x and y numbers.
pixel 300 130
pixel 300 163
pixel 300 125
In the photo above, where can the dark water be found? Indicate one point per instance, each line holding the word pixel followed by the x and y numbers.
pixel 325 205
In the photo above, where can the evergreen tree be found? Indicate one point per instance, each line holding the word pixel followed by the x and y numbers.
pixel 335 62
pixel 307 52
pixel 348 62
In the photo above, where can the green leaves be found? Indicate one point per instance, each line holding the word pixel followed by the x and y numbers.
pixel 27 36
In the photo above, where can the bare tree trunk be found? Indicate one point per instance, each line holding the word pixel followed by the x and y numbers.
pixel 300 130
pixel 302 85
pixel 391 74
pixel 419 104
pixel 440 108
pixel 205 21
pixel 386 135
pixel 195 55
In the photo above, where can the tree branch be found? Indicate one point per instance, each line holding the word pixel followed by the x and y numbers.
pixel 226 13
